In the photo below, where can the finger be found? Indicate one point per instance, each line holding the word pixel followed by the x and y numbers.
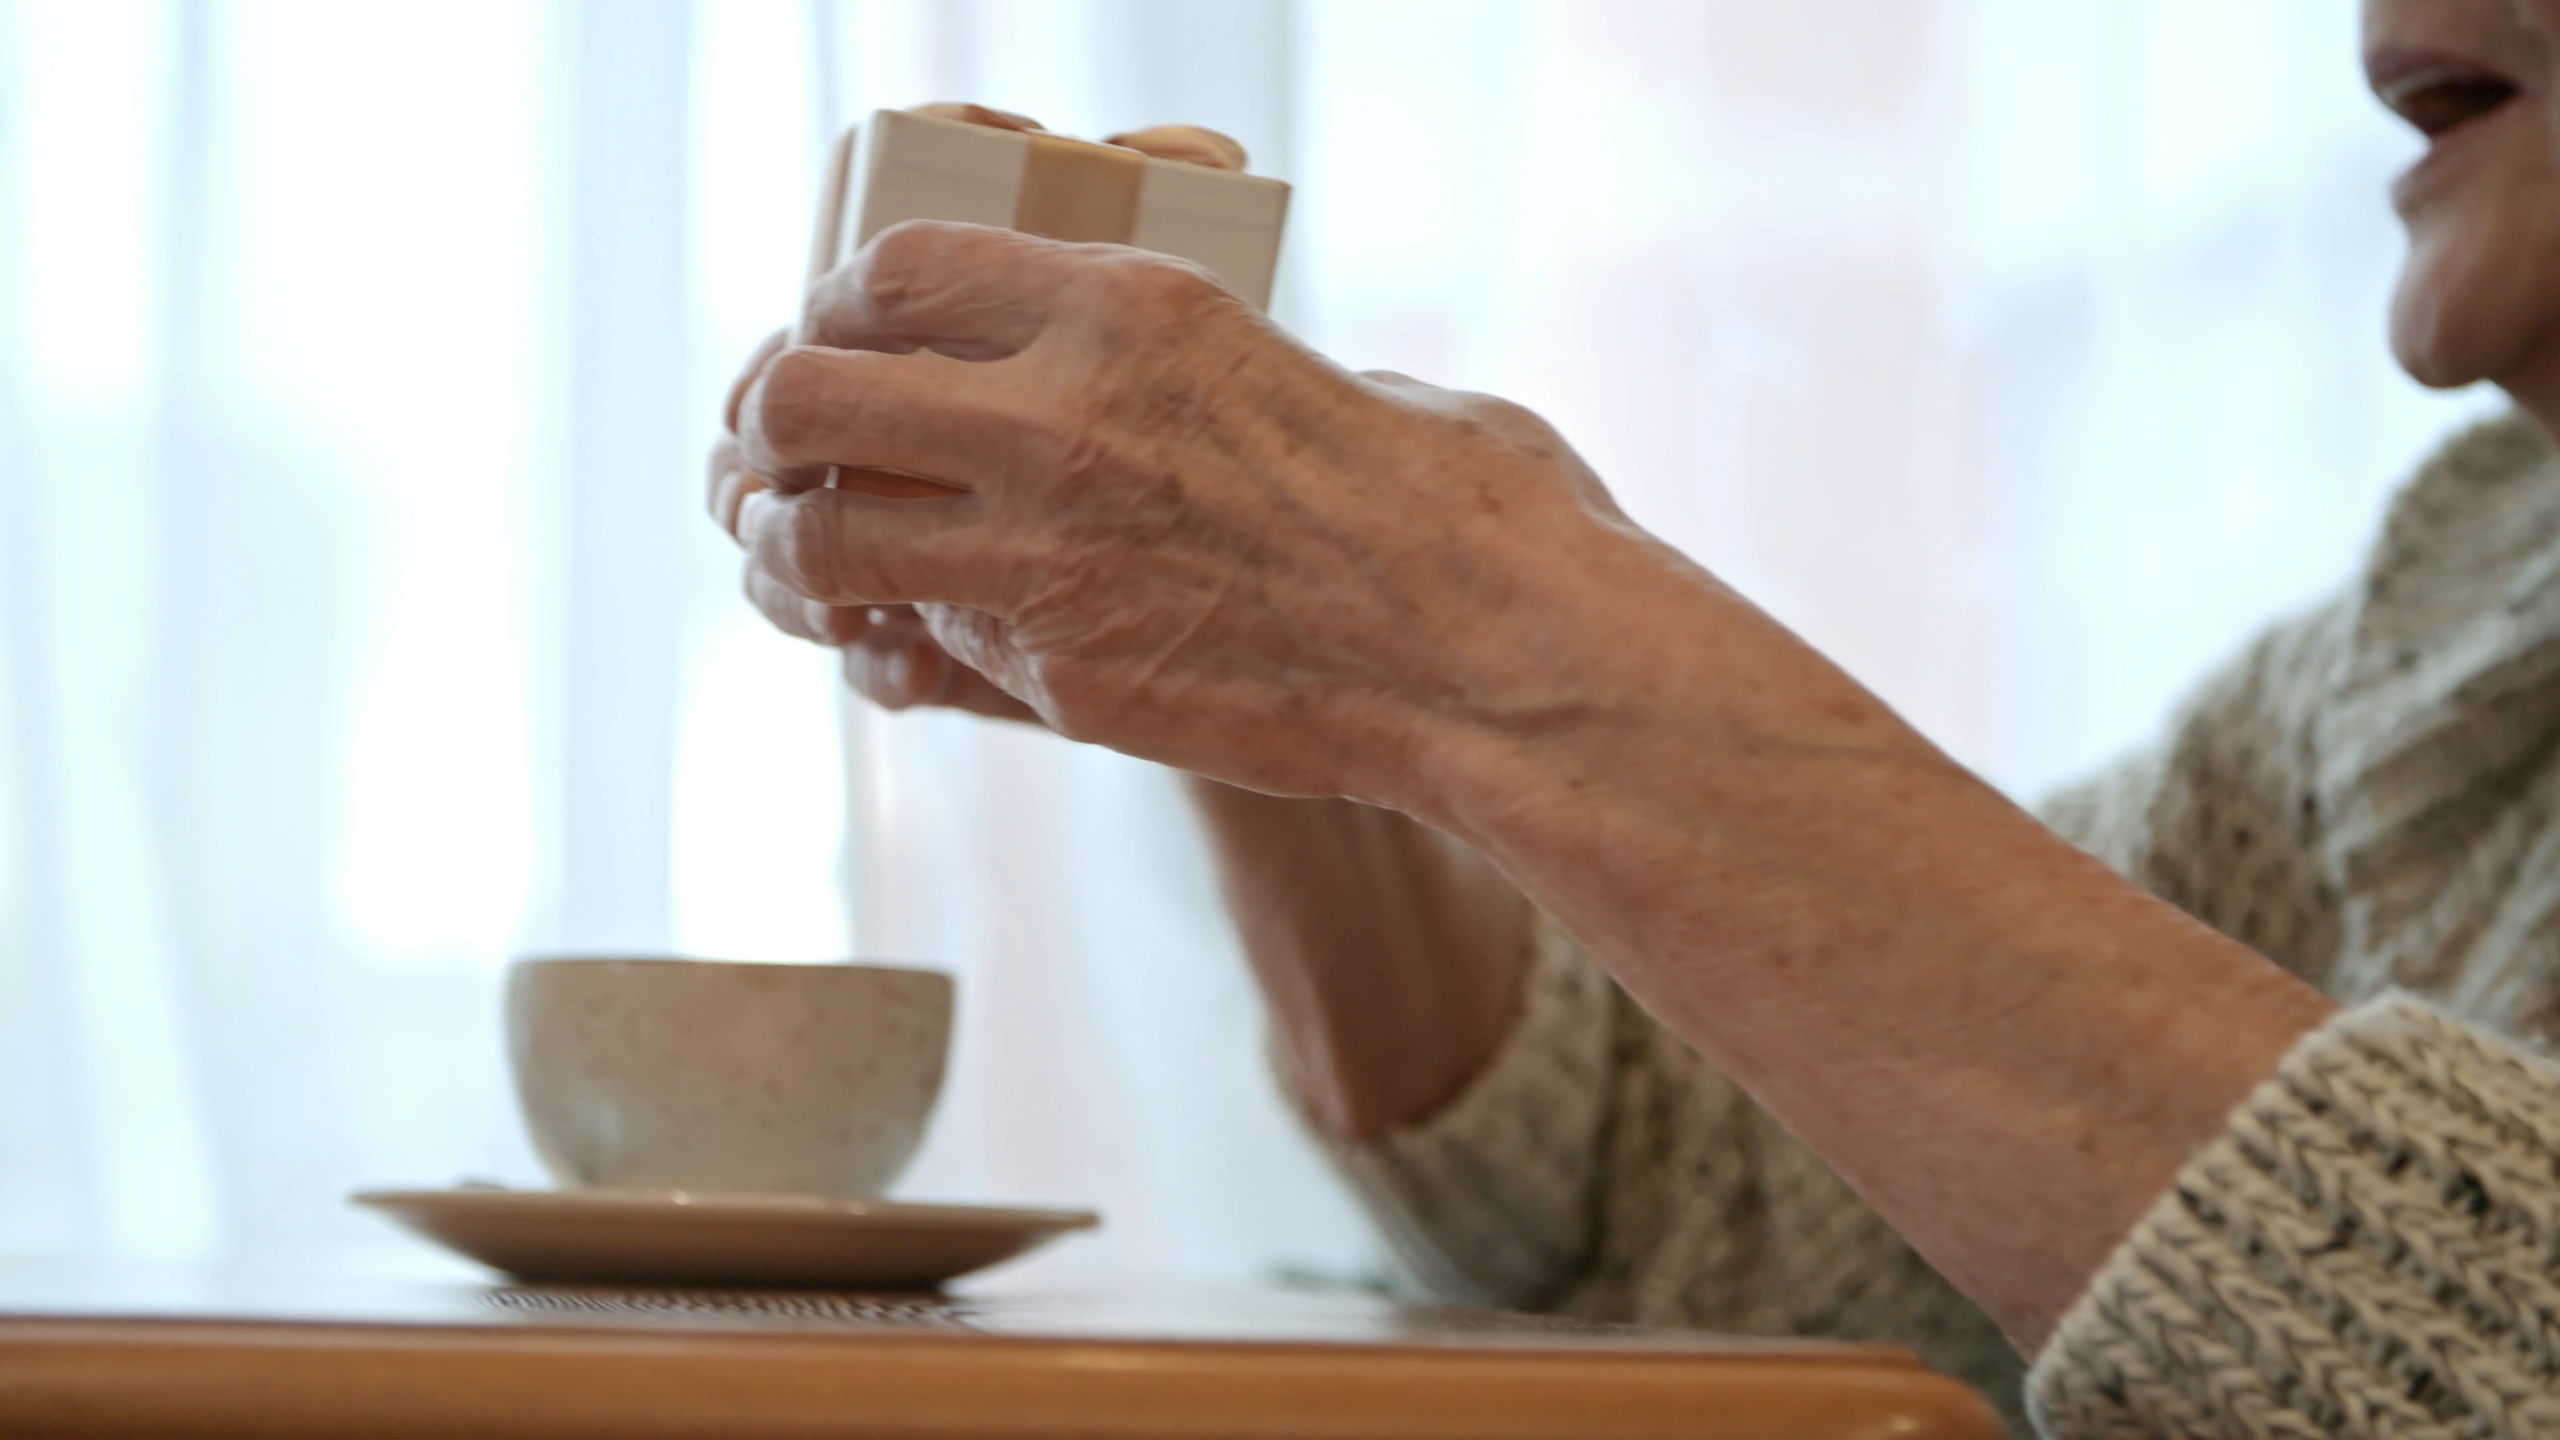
pixel 884 660
pixel 1194 144
pixel 976 115
pixel 886 674
pixel 799 616
pixel 721 462
pixel 968 291
pixel 764 352
pixel 729 483
pixel 841 547
pixel 968 690
pixel 729 497
pixel 897 670
pixel 976 639
pixel 912 415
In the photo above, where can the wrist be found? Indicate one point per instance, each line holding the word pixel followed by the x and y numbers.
pixel 1632 690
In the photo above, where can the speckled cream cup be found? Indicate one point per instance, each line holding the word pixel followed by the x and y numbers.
pixel 720 1078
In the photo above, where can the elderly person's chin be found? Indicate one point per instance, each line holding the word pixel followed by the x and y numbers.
pixel 2479 297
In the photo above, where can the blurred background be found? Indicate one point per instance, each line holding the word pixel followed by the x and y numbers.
pixel 360 625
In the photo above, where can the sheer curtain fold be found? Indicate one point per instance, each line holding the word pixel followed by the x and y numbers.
pixel 358 625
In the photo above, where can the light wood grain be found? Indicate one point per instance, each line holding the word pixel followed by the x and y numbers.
pixel 290 1382
pixel 185 1355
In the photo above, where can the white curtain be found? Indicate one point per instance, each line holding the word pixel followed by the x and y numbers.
pixel 359 626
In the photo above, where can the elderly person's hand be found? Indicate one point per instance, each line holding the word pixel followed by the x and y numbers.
pixel 1280 595
pixel 890 657
pixel 1389 955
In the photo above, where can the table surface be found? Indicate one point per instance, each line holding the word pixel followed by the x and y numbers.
pixel 105 1349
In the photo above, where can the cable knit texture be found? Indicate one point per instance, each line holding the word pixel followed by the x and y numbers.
pixel 2367 1251
pixel 2370 796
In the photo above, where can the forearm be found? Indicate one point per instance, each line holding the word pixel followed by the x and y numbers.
pixel 2005 1047
pixel 1388 955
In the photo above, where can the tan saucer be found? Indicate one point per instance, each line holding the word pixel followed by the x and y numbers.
pixel 675 1238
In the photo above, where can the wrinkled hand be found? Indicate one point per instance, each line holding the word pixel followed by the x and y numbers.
pixel 890 656
pixel 1179 533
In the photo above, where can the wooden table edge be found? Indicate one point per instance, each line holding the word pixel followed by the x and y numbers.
pixel 292 1380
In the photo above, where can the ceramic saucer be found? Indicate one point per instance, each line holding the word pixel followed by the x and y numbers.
pixel 678 1238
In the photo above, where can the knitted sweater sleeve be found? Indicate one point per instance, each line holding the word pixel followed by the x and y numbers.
pixel 2369 1249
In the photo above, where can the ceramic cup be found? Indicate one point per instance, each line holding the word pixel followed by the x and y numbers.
pixel 721 1078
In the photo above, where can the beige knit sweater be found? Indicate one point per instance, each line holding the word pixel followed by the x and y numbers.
pixel 2370 796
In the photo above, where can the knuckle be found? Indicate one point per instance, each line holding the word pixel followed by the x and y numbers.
pixel 806 553
pixel 818 309
pixel 1158 287
pixel 1505 420
pixel 965 634
pixel 899 259
pixel 1183 287
pixel 763 355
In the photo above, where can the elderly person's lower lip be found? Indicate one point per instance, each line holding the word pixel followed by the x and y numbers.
pixel 2445 154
